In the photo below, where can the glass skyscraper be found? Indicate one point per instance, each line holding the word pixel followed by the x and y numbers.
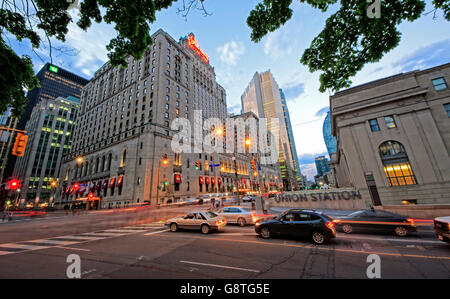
pixel 287 119
pixel 330 140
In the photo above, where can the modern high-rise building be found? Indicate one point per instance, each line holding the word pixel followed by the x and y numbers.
pixel 262 97
pixel 6 139
pixel 49 130
pixel 287 120
pixel 330 140
pixel 55 82
pixel 321 165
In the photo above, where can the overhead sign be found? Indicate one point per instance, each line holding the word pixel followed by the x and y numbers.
pixel 194 46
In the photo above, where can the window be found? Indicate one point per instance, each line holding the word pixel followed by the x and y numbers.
pixel 447 109
pixel 123 158
pixel 397 168
pixel 439 84
pixel 374 125
pixel 390 122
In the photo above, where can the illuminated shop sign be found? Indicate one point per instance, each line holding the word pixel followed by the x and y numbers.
pixel 194 46
pixel 53 69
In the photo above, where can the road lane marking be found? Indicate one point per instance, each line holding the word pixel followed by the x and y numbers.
pixel 319 248
pixel 394 240
pixel 5 252
pixel 49 241
pixel 238 234
pixel 71 248
pixel 220 266
pixel 157 232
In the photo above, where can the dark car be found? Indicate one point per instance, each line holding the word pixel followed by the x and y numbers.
pixel 442 228
pixel 298 223
pixel 375 221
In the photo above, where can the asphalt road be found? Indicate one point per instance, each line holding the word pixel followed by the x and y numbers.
pixel 134 244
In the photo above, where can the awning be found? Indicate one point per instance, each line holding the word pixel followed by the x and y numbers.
pixel 200 180
pixel 119 181
pixel 207 179
pixel 98 186
pixel 105 184
pixel 213 181
pixel 111 183
pixel 177 178
pixel 219 181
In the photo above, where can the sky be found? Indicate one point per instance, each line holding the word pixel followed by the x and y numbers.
pixel 225 37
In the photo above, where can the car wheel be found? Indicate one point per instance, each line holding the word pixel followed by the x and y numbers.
pixel 173 227
pixel 241 222
pixel 265 232
pixel 205 229
pixel 401 231
pixel 318 238
pixel 347 228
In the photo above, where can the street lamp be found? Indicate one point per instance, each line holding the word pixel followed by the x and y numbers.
pixel 80 160
pixel 53 185
pixel 164 162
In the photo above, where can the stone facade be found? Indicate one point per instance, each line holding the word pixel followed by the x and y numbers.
pixel 393 138
pixel 124 130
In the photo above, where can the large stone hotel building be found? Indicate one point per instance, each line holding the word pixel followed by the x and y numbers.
pixel 123 134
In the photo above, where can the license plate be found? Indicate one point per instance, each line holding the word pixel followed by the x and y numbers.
pixel 440 237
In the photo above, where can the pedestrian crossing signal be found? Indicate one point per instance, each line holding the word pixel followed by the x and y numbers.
pixel 197 165
pixel 20 145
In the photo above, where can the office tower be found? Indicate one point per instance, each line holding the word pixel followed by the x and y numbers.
pixel 50 129
pixel 287 119
pixel 55 82
pixel 321 165
pixel 262 97
pixel 330 140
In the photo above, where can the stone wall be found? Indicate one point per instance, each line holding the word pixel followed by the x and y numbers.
pixel 418 211
pixel 338 198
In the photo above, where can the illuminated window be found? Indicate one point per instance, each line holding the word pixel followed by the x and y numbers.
pixel 396 164
pixel 390 122
pixel 123 158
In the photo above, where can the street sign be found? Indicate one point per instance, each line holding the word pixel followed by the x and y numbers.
pixel 214 165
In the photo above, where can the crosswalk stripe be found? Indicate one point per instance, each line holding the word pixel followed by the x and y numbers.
pixel 77 238
pixel 53 242
pixel 21 246
pixel 120 231
pixel 102 234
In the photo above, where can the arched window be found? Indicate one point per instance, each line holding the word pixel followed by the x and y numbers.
pixel 123 158
pixel 396 164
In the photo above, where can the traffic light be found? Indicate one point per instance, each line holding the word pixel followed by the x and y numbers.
pixel 253 164
pixel 75 186
pixel 13 184
pixel 20 144
pixel 197 165
pixel 91 195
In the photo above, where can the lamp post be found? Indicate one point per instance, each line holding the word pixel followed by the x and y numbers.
pixel 164 162
pixel 53 186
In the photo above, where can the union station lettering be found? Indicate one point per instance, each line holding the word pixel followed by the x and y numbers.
pixel 319 196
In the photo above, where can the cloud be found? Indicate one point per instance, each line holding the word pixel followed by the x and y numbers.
pixel 230 52
pixel 294 91
pixel 309 157
pixel 429 56
pixel 278 43
pixel 322 111
pixel 309 170
pixel 234 109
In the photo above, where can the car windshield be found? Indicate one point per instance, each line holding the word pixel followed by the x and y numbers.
pixel 245 209
pixel 211 214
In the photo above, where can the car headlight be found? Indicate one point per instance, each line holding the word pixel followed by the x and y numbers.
pixel 257 223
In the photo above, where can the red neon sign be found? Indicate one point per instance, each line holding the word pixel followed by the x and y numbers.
pixel 194 46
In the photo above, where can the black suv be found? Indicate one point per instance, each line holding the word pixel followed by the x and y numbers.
pixel 298 223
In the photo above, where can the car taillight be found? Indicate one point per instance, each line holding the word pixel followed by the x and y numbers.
pixel 330 224
pixel 410 220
